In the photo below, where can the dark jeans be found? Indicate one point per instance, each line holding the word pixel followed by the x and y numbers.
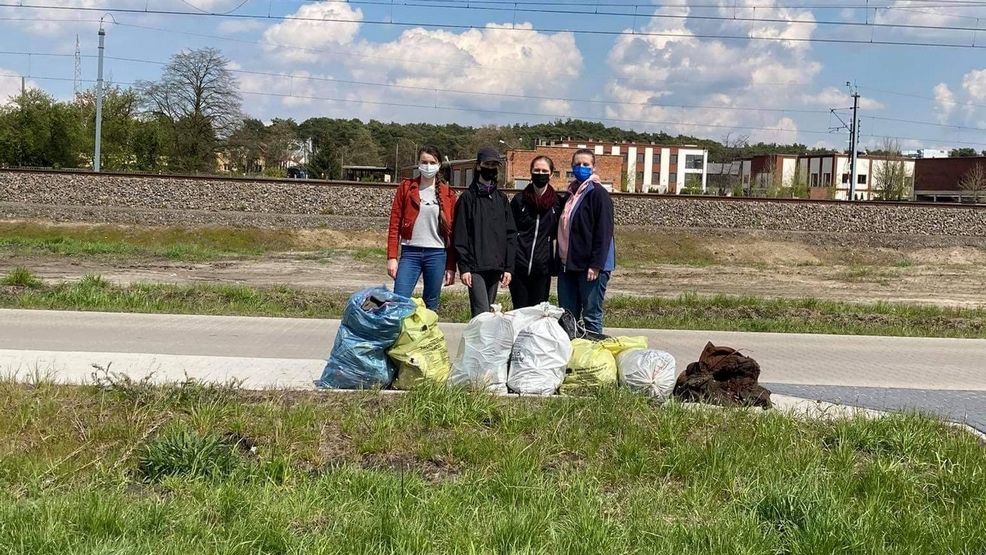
pixel 482 294
pixel 529 290
pixel 416 261
pixel 584 298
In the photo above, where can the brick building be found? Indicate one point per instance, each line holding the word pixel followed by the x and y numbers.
pixel 757 171
pixel 939 179
pixel 650 168
pixel 609 167
pixel 832 170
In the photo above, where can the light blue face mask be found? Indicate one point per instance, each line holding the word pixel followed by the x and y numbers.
pixel 581 173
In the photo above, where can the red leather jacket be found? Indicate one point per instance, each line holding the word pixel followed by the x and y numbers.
pixel 403 214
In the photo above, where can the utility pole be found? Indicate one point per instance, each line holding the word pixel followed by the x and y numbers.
pixel 78 67
pixel 853 140
pixel 99 98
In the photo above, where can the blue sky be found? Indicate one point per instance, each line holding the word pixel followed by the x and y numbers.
pixel 675 71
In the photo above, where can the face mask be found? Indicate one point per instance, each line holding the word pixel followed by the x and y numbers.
pixel 540 179
pixel 428 170
pixel 488 174
pixel 581 173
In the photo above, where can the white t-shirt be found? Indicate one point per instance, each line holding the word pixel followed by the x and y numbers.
pixel 426 234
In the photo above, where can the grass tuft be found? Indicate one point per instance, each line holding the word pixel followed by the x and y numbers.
pixel 185 453
pixel 21 277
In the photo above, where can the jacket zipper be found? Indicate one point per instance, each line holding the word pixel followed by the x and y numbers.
pixel 530 263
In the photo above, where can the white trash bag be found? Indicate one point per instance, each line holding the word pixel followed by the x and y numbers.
pixel 648 371
pixel 484 353
pixel 541 351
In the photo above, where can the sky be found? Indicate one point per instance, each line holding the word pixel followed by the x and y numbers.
pixel 769 70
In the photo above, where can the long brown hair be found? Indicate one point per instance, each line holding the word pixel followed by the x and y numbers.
pixel 443 225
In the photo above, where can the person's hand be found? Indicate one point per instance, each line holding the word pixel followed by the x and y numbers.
pixel 392 268
pixel 593 274
pixel 505 280
pixel 449 278
pixel 467 279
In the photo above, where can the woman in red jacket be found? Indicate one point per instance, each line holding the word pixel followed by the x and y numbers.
pixel 421 230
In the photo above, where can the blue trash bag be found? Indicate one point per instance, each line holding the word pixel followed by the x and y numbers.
pixel 370 326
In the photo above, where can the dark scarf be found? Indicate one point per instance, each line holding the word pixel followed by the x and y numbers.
pixel 543 202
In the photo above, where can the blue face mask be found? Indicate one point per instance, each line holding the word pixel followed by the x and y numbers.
pixel 581 173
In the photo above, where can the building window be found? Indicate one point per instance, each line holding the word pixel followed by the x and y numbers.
pixel 457 179
pixel 674 159
pixel 469 176
pixel 814 180
pixel 845 179
pixel 861 179
pixel 655 177
pixel 569 175
pixel 693 161
pixel 826 179
pixel 557 173
pixel 640 157
pixel 673 178
pixel 640 177
pixel 657 159
pixel 746 179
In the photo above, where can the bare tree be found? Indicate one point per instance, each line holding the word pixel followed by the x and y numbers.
pixel 196 83
pixel 891 178
pixel 974 182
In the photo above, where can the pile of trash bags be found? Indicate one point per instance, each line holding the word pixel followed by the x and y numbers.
pixel 386 340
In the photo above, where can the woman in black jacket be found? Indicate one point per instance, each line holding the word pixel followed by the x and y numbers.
pixel 484 234
pixel 536 211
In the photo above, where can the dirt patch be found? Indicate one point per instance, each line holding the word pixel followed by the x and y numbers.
pixel 318 239
pixel 434 469
pixel 765 252
pixel 956 256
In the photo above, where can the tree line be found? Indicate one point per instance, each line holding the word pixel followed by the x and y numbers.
pixel 191 120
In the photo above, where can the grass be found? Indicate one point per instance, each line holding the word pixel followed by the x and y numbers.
pixel 176 243
pixel 861 274
pixel 21 277
pixel 723 313
pixel 445 471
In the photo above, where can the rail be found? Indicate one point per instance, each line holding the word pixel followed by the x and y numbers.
pixel 376 185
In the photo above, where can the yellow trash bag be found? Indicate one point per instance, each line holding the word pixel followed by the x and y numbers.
pixel 617 345
pixel 420 351
pixel 591 366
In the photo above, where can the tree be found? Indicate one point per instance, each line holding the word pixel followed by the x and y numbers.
pixel 974 182
pixel 119 126
pixel 198 94
pixel 324 164
pixel 891 178
pixel 280 142
pixel 363 150
pixel 35 130
pixel 244 147
pixel 963 153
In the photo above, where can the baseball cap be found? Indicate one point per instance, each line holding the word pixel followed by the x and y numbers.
pixel 487 154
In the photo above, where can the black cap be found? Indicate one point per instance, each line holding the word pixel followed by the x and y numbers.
pixel 487 154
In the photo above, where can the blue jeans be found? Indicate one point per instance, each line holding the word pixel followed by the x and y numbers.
pixel 584 298
pixel 416 261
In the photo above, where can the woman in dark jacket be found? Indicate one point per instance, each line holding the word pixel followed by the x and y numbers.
pixel 484 235
pixel 536 211
pixel 586 244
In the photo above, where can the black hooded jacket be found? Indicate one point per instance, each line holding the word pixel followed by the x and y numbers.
pixel 536 235
pixel 484 236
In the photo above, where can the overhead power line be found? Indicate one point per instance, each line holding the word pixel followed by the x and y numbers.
pixel 746 37
pixel 537 114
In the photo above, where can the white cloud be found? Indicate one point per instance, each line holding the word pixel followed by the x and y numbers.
pixel 518 62
pixel 339 26
pixel 905 12
pixel 290 90
pixel 832 97
pixel 974 83
pixel 650 70
pixel 10 85
pixel 944 102
pixel 52 23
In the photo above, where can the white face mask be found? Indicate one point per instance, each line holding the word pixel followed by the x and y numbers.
pixel 428 170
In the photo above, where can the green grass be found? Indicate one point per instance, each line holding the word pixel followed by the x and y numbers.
pixel 21 277
pixel 177 243
pixel 444 471
pixel 686 312
pixel 860 274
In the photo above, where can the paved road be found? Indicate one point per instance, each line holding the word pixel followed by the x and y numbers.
pixel 941 375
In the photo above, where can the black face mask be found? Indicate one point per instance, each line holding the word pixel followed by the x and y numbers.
pixel 540 179
pixel 488 174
